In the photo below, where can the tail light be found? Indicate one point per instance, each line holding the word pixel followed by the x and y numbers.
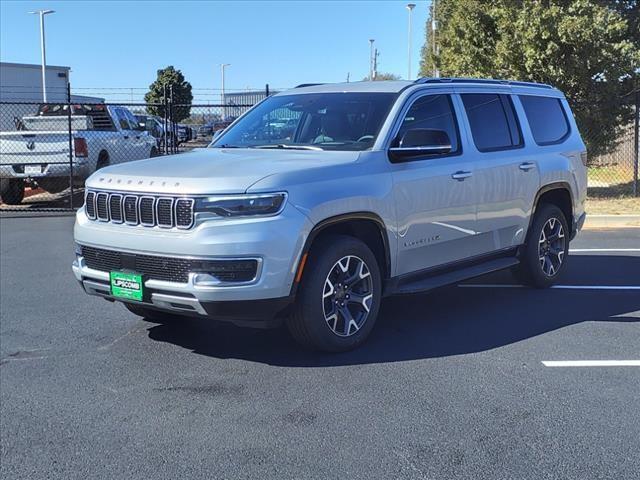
pixel 80 147
pixel 583 157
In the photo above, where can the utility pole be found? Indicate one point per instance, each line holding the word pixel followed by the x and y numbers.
pixel 222 97
pixel 371 59
pixel 42 13
pixel 410 7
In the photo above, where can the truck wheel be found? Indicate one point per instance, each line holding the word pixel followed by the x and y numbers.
pixel 103 160
pixel 151 314
pixel 546 250
pixel 339 297
pixel 153 153
pixel 12 190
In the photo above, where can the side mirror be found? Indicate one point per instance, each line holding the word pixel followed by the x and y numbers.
pixel 419 142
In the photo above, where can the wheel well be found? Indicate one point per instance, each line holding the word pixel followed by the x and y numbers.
pixel 561 198
pixel 369 231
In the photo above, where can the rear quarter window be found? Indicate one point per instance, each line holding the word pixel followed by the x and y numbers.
pixel 547 119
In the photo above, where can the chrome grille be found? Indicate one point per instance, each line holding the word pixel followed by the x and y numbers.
pixel 145 210
pixel 131 209
pixel 164 212
pixel 145 207
pixel 184 212
pixel 90 205
pixel 101 206
pixel 115 207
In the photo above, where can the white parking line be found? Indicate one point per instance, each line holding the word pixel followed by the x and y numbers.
pixel 560 287
pixel 592 363
pixel 579 250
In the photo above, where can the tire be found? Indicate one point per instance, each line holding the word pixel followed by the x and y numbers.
pixel 317 321
pixel 151 314
pixel 153 153
pixel 12 190
pixel 103 160
pixel 544 257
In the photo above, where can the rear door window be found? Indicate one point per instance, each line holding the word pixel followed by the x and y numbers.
pixel 546 118
pixel 492 120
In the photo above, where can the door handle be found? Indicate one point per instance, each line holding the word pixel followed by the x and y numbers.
pixel 526 166
pixel 460 175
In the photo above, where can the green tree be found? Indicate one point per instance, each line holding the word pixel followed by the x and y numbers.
pixel 380 76
pixel 182 96
pixel 589 49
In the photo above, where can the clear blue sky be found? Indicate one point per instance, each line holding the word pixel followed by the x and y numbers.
pixel 122 44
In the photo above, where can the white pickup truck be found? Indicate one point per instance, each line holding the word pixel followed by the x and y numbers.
pixel 37 153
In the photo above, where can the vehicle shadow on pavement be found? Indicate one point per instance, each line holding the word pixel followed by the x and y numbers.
pixel 449 321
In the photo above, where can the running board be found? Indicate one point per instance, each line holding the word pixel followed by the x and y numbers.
pixel 437 280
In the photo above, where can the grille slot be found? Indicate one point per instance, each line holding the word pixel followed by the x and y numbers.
pixel 164 212
pixel 115 207
pixel 101 206
pixel 184 212
pixel 90 205
pixel 131 209
pixel 146 211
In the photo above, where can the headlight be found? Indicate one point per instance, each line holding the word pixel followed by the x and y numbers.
pixel 242 205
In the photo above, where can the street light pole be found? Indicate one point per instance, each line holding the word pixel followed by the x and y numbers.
pixel 371 58
pixel 222 97
pixel 410 7
pixel 42 13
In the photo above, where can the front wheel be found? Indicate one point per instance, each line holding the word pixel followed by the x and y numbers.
pixel 545 253
pixel 12 190
pixel 339 296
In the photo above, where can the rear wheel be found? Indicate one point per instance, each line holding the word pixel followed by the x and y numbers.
pixel 339 296
pixel 545 253
pixel 12 190
pixel 153 153
pixel 103 160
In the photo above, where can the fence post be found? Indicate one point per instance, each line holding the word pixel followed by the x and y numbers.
pixel 635 144
pixel 174 127
pixel 165 147
pixel 266 90
pixel 70 135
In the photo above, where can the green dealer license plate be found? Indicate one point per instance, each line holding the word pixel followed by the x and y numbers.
pixel 126 285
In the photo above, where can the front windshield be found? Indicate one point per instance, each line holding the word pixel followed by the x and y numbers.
pixel 327 121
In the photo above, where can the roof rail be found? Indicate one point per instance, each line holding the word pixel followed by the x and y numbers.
pixel 302 85
pixel 489 81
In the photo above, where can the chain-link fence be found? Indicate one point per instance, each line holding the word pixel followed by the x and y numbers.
pixel 614 173
pixel 48 150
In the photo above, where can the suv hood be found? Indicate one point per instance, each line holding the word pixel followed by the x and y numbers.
pixel 211 170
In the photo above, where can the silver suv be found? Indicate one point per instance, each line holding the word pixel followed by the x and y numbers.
pixel 322 200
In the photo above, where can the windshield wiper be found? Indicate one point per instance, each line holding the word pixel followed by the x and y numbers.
pixel 288 147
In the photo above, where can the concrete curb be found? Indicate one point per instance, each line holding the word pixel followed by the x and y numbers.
pixel 611 221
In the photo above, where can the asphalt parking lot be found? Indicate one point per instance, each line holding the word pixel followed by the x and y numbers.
pixel 451 385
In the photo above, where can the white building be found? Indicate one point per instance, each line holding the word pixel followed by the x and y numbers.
pixel 22 82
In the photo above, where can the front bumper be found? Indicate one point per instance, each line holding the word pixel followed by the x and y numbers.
pixel 277 243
